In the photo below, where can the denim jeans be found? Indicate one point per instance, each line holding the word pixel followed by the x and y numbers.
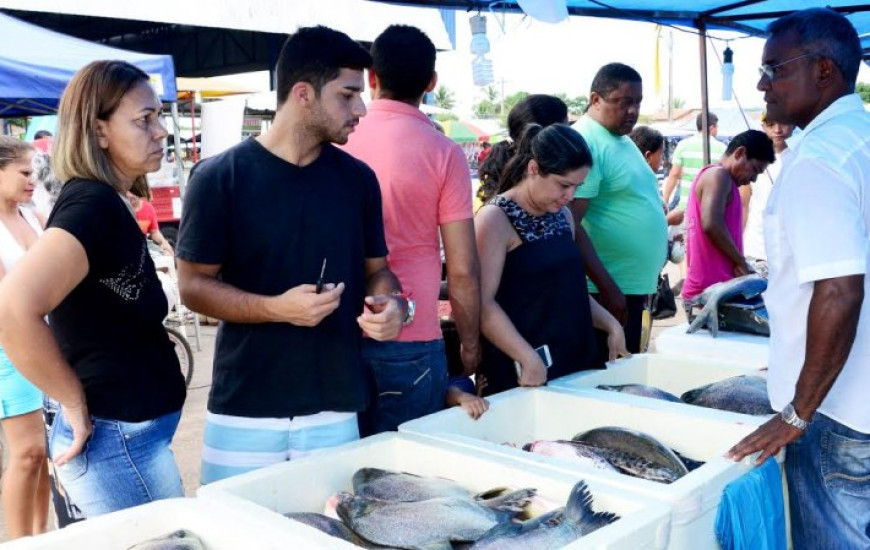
pixel 123 464
pixel 410 381
pixel 828 472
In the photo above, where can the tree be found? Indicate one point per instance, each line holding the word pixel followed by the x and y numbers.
pixel 444 97
pixel 679 103
pixel 486 109
pixel 863 90
pixel 576 105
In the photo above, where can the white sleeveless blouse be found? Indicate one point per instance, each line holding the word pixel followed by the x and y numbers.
pixel 10 249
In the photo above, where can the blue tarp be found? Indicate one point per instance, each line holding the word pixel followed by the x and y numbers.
pixel 36 64
pixel 749 16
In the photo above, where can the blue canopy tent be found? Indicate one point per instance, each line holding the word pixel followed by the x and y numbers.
pixel 36 64
pixel 747 16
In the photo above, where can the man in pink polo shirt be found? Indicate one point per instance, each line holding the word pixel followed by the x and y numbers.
pixel 426 187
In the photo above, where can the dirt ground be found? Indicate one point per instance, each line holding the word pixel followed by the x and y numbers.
pixel 187 444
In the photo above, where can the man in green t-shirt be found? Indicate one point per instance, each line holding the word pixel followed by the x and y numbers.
pixel 624 233
pixel 687 161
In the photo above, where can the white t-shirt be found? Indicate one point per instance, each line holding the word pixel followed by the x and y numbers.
pixel 10 250
pixel 753 235
pixel 817 226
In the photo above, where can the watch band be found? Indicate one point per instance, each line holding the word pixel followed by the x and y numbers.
pixel 790 417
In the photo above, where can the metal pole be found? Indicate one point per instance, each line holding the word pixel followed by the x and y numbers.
pixel 670 76
pixel 176 136
pixel 705 128
pixel 193 125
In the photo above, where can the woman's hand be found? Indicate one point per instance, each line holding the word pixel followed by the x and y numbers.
pixel 80 422
pixel 616 342
pixel 533 373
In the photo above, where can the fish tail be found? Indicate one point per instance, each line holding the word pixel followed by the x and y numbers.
pixel 579 509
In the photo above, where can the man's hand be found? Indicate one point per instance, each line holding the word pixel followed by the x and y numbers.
pixel 302 306
pixel 533 373
pixel 741 269
pixel 613 301
pixel 475 406
pixel 382 317
pixel 80 422
pixel 616 344
pixel 470 358
pixel 772 436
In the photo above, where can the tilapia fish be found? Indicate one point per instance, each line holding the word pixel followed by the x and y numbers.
pixel 430 524
pixel 403 487
pixel 642 390
pixel 329 526
pixel 748 286
pixel 571 451
pixel 633 444
pixel 741 394
pixel 179 540
pixel 553 530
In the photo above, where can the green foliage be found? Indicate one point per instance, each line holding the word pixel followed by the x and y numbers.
pixel 486 108
pixel 863 90
pixel 679 103
pixel 444 97
pixel 509 103
pixel 441 117
pixel 576 105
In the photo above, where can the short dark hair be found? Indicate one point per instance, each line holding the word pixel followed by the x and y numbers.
pixel 404 60
pixel 827 33
pixel 539 109
pixel 557 149
pixel 758 145
pixel 316 55
pixel 712 120
pixel 648 140
pixel 41 134
pixel 611 76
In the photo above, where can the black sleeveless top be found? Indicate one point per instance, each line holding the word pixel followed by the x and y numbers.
pixel 543 292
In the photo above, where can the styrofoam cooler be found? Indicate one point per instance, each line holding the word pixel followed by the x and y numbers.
pixel 749 349
pixel 521 415
pixel 673 374
pixel 218 526
pixel 305 485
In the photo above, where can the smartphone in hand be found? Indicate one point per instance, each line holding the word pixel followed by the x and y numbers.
pixel 543 352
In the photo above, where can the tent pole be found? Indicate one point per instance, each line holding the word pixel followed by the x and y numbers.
pixel 193 125
pixel 705 98
pixel 176 137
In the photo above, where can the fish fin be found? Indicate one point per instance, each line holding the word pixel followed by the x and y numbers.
pixel 490 494
pixel 713 321
pixel 579 509
pixel 508 506
pixel 699 321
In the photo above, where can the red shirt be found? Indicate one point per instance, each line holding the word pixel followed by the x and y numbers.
pixel 146 217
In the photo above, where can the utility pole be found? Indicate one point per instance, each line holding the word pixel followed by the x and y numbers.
pixel 670 76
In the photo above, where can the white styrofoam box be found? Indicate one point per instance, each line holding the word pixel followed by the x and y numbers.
pixel 522 415
pixel 748 349
pixel 304 485
pixel 670 373
pixel 218 525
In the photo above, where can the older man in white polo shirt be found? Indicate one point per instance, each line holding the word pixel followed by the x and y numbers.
pixel 817 230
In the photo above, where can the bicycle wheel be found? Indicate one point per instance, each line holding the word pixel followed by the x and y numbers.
pixel 184 352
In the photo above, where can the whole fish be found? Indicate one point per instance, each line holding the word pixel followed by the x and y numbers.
pixel 634 443
pixel 748 286
pixel 642 390
pixel 330 526
pixel 745 394
pixel 179 540
pixel 553 530
pixel 403 487
pixel 571 451
pixel 430 524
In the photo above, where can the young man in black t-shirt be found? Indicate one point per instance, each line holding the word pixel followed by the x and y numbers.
pixel 282 239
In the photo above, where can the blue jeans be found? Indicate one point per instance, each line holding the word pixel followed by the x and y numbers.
pixel 828 472
pixel 410 381
pixel 123 464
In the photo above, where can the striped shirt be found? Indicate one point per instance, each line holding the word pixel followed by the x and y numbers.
pixel 689 154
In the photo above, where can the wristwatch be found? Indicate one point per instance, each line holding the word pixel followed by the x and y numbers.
pixel 790 417
pixel 410 307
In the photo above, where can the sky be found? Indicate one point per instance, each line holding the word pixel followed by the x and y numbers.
pixel 538 57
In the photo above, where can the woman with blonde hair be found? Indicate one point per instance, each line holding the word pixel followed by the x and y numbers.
pixel 106 358
pixel 25 483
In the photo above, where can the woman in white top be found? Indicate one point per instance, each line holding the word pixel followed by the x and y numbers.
pixel 25 482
